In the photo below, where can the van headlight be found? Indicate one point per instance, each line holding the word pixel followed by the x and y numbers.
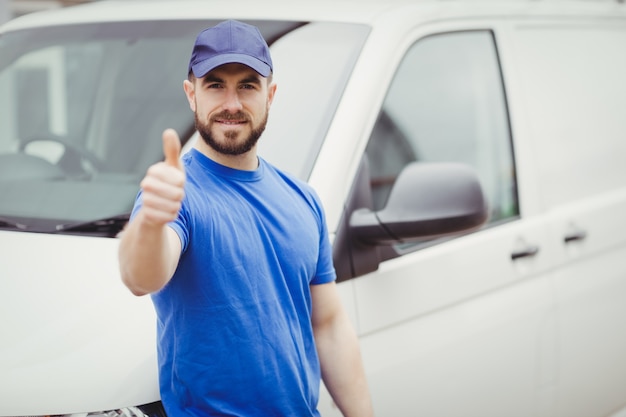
pixel 122 412
pixel 148 410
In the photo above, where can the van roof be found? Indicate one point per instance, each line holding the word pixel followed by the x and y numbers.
pixel 356 11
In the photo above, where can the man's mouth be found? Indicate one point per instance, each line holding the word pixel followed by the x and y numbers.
pixel 229 122
pixel 226 119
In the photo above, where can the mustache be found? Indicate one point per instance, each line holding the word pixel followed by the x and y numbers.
pixel 239 116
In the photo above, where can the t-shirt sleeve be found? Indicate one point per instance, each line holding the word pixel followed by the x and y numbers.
pixel 325 272
pixel 181 231
pixel 178 225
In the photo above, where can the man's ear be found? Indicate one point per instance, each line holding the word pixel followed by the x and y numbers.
pixel 190 92
pixel 271 90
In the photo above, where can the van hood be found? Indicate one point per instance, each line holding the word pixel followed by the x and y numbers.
pixel 72 337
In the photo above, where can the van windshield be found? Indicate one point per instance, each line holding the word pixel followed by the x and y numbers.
pixel 82 108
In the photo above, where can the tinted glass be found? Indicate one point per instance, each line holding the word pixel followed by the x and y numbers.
pixel 82 109
pixel 447 104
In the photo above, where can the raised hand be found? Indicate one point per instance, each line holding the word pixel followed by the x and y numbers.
pixel 171 148
pixel 163 184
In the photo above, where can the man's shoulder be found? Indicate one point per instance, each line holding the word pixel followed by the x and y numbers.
pixel 285 175
pixel 293 182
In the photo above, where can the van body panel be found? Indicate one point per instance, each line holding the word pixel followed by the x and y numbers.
pixel 61 331
pixel 571 72
pixel 456 357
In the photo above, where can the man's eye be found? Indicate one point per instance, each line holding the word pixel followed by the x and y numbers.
pixel 214 85
pixel 247 86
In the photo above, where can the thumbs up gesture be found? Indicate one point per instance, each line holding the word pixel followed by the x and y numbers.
pixel 171 148
pixel 163 184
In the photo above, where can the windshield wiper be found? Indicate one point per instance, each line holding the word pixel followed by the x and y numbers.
pixel 107 227
pixel 6 223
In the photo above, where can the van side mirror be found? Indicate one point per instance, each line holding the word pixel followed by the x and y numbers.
pixel 427 200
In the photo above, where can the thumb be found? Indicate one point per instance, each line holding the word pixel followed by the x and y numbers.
pixel 171 148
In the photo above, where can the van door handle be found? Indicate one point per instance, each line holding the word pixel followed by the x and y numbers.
pixel 575 236
pixel 527 252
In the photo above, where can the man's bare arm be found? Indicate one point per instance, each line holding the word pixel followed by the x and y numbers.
pixel 149 249
pixel 339 353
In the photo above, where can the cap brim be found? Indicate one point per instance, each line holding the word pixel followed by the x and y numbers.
pixel 202 68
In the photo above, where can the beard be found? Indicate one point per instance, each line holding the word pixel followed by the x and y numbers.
pixel 230 145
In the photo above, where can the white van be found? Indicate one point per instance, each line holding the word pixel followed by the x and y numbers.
pixel 524 316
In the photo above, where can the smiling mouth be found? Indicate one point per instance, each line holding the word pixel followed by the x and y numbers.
pixel 230 122
pixel 228 119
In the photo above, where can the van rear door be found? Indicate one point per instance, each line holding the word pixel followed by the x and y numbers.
pixel 573 84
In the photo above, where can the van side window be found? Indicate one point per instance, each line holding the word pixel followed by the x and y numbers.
pixel 446 103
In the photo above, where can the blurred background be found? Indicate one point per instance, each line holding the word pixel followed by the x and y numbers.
pixel 10 9
pixel 14 8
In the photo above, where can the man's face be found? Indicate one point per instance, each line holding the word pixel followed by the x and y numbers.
pixel 231 105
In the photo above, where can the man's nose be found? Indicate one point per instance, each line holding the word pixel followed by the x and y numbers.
pixel 231 101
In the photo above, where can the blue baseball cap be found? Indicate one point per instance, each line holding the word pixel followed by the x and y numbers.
pixel 230 42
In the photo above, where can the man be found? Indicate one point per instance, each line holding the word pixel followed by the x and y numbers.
pixel 235 254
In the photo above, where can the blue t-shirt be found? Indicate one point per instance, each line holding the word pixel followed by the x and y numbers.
pixel 234 322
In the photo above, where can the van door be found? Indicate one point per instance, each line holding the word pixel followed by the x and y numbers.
pixel 573 75
pixel 461 326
